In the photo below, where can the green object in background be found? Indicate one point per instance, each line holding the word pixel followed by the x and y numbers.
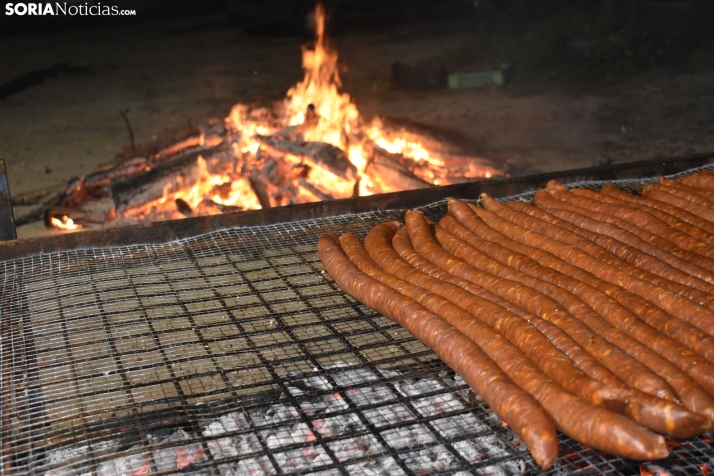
pixel 477 79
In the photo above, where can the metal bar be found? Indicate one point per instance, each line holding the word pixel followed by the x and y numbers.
pixel 7 220
pixel 162 232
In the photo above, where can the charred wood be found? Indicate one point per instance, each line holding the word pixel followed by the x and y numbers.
pixel 183 207
pixel 165 179
pixel 221 207
pixel 50 199
pixel 206 147
pixel 316 153
pixel 126 169
pixel 392 174
pixel 259 188
pixel 314 190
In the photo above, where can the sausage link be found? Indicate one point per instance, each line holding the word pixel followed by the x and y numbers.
pixel 626 367
pixel 682 331
pixel 703 180
pixel 670 220
pixel 611 313
pixel 524 415
pixel 657 193
pixel 657 414
pixel 682 191
pixel 643 267
pixel 698 195
pixel 660 415
pixel 404 248
pixel 630 233
pixel 574 416
pixel 686 387
pixel 536 347
pixel 677 212
pixel 675 304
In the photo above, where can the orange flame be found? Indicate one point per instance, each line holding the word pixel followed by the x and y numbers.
pixel 314 111
pixel 65 223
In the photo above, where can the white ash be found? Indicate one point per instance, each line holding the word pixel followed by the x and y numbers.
pixel 437 405
pixel 458 425
pixel 77 454
pixel 134 464
pixel 177 457
pixel 299 435
pixel 412 436
pixel 389 415
pixel 385 466
pixel 505 468
pixel 435 458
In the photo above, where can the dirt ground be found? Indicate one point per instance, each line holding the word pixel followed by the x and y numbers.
pixel 554 114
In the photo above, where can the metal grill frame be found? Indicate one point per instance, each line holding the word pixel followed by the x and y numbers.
pixel 201 247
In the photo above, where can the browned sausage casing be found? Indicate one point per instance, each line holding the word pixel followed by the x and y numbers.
pixel 574 416
pixel 626 367
pixel 524 415
pixel 567 207
pixel 685 386
pixel 696 195
pixel 677 212
pixel 674 304
pixel 538 349
pixel 644 267
pixel 665 217
pixel 636 221
pixel 703 180
pixel 660 415
pixel 611 313
pixel 682 331
pixel 661 194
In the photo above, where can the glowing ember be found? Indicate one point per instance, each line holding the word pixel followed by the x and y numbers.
pixel 65 223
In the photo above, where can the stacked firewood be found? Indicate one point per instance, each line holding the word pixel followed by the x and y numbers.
pixel 586 312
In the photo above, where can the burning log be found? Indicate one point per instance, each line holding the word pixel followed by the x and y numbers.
pixel 126 169
pixel 169 177
pixel 50 198
pixel 317 153
pixel 259 188
pixel 157 183
pixel 183 207
pixel 314 190
pixel 389 174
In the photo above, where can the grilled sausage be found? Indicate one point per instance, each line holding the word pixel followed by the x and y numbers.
pixel 689 391
pixel 677 212
pixel 575 417
pixel 524 415
pixel 683 332
pixel 611 313
pixel 682 191
pixel 674 304
pixel 661 194
pixel 404 248
pixel 627 368
pixel 634 220
pixel 635 261
pixel 660 415
pixel 703 180
pixel 698 195
pixel 536 347
pixel 670 220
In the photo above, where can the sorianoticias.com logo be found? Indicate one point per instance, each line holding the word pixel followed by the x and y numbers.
pixel 65 8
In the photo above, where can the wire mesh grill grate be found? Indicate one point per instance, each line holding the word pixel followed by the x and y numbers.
pixel 234 353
